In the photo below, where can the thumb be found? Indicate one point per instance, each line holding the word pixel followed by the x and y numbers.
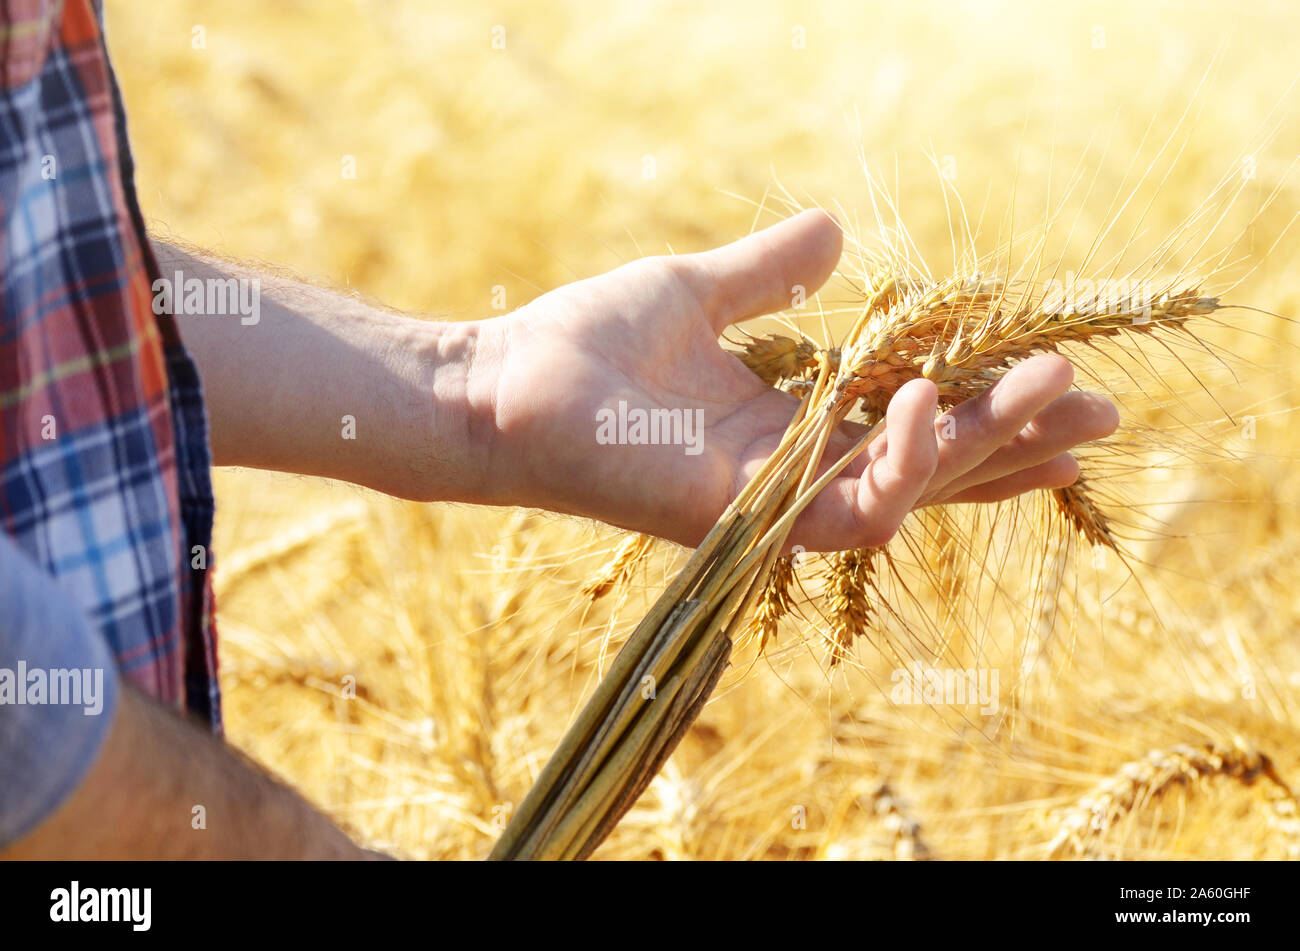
pixel 765 271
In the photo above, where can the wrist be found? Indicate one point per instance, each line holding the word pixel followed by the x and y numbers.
pixel 457 369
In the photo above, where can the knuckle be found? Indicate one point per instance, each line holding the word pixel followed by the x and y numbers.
pixel 874 532
pixel 696 274
pixel 982 424
pixel 925 463
pixel 869 527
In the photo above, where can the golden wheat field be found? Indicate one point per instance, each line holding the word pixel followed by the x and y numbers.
pixel 1149 705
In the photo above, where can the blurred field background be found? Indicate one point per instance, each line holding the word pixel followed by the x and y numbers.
pixel 600 132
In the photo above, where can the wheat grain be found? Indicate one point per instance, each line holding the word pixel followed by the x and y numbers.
pixel 849 579
pixel 775 602
pixel 1081 513
pixel 777 357
pixel 957 335
pixel 620 567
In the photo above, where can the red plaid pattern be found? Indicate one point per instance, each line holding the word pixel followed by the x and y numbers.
pixel 104 463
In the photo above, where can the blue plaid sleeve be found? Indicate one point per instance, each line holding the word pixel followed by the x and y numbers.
pixel 58 694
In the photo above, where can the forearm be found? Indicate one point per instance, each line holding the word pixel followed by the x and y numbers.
pixel 319 383
pixel 163 789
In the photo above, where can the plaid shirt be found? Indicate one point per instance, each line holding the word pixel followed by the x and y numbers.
pixel 104 464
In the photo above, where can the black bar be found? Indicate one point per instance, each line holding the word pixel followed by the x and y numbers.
pixel 383 900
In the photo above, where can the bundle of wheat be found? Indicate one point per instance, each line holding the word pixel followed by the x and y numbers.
pixel 962 333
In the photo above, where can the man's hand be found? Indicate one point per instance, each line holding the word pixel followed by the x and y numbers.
pixel 647 334
pixel 504 411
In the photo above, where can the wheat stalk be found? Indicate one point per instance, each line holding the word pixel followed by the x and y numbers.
pixel 962 333
pixel 1081 826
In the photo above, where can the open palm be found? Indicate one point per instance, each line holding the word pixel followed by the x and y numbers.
pixel 646 335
